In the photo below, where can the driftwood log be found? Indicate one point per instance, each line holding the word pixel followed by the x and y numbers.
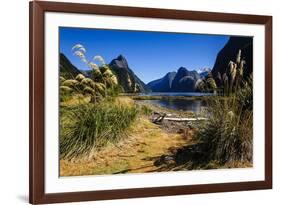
pixel 163 116
pixel 159 118
pixel 185 119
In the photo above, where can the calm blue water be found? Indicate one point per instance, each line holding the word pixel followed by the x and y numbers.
pixel 194 105
pixel 186 94
pixel 180 104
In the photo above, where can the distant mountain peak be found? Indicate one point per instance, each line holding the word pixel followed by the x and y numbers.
pixel 126 77
pixel 181 81
pixel 204 69
pixel 182 69
pixel 171 73
pixel 120 61
pixel 121 57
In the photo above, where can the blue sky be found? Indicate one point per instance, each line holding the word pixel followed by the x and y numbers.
pixel 149 54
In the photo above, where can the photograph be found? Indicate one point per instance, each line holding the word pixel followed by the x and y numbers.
pixel 147 101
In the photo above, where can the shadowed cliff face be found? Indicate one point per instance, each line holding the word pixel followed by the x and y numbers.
pixel 181 81
pixel 229 52
pixel 67 70
pixel 126 77
pixel 163 84
pixel 185 80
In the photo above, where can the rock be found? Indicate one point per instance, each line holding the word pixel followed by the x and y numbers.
pixel 126 77
pixel 164 159
pixel 229 53
pixel 181 81
pixel 184 80
pixel 163 84
pixel 67 70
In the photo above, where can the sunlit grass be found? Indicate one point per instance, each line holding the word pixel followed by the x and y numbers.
pixel 90 126
pixel 228 134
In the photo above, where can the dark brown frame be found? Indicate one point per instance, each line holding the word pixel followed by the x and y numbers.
pixel 37 95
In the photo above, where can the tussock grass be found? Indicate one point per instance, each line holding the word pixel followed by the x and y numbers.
pixel 133 154
pixel 228 135
pixel 90 126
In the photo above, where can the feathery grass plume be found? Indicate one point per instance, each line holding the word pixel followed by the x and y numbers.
pixel 65 93
pixel 79 50
pixel 200 85
pixel 79 54
pixel 238 57
pixel 82 50
pixel 87 82
pixel 228 134
pixel 114 80
pixel 70 83
pixel 225 84
pixel 77 47
pixel 107 73
pixel 65 89
pixel 108 77
pixel 241 67
pixel 93 66
pixel 99 59
pixel 100 88
pixel 88 90
pixel 232 79
pixel 231 74
pixel 79 77
pixel 219 78
pixel 93 126
pixel 211 83
pixel 62 79
pixel 96 74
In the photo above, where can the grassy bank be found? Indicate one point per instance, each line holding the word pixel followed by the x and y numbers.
pixel 137 153
pixel 227 136
pixel 87 126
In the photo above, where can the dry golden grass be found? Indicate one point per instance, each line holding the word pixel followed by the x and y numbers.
pixel 75 100
pixel 135 154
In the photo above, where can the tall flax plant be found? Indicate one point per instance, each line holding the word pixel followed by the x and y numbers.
pixel 227 136
pixel 93 126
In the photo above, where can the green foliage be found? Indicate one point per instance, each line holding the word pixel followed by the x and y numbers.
pixel 65 93
pixel 93 126
pixel 114 91
pixel 146 110
pixel 207 84
pixel 227 135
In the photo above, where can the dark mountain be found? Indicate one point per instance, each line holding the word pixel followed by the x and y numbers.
pixel 67 70
pixel 229 53
pixel 87 73
pixel 126 77
pixel 185 80
pixel 181 81
pixel 163 84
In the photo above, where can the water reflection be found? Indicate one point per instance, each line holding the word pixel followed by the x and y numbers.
pixel 180 104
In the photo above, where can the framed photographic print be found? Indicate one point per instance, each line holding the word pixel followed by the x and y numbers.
pixel 139 102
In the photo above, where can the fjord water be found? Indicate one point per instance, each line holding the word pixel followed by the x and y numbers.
pixel 184 94
pixel 184 104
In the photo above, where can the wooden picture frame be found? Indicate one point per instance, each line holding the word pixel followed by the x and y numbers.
pixel 37 11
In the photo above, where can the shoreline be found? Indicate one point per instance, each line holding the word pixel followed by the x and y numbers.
pixel 172 126
pixel 165 97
